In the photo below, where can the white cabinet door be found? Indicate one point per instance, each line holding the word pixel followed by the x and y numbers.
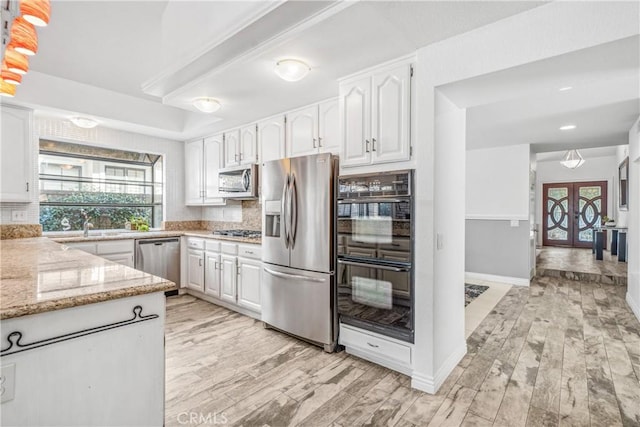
pixel 124 258
pixel 232 148
pixel 302 132
pixel 16 159
pixel 193 172
pixel 249 283
pixel 213 147
pixel 390 115
pixel 271 139
pixel 355 119
pixel 228 278
pixel 212 274
pixel 329 127
pixel 195 270
pixel 248 145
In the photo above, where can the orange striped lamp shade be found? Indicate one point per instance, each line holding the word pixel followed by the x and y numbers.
pixel 24 36
pixel 36 12
pixel 10 77
pixel 7 89
pixel 15 61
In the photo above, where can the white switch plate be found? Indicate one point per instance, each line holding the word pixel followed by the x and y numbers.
pixel 7 382
pixel 18 216
pixel 515 223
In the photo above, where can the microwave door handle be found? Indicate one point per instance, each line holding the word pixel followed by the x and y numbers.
pixel 293 202
pixel 284 213
pixel 245 180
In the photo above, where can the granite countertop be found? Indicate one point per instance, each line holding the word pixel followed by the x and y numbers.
pixel 73 237
pixel 38 275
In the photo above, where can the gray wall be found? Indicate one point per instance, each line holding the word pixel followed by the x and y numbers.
pixel 494 247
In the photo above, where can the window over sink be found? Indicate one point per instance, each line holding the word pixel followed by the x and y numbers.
pixel 111 186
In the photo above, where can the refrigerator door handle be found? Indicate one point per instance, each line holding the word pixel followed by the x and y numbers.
pixel 285 213
pixel 293 276
pixel 293 202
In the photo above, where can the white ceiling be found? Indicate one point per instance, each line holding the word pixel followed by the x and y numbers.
pixel 137 65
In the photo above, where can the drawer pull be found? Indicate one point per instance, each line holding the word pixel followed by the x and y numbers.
pixel 249 252
pixel 372 345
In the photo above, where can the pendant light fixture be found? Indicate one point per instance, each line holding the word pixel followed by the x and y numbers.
pixel 7 89
pixel 15 61
pixel 24 37
pixel 36 12
pixel 291 70
pixel 572 159
pixel 11 77
pixel 206 104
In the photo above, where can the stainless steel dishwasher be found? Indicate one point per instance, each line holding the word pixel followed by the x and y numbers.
pixel 160 257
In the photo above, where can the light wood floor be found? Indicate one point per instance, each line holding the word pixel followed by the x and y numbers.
pixel 558 353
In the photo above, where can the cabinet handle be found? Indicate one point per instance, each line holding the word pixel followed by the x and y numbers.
pixel 373 144
pixel 372 345
pixel 235 157
pixel 200 262
pixel 215 265
pixel 366 146
pixel 319 142
pixel 240 156
pixel 314 143
pixel 27 187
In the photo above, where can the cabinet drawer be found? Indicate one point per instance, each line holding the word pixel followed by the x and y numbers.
pixel 385 348
pixel 85 247
pixel 115 246
pixel 212 245
pixel 229 248
pixel 250 251
pixel 195 243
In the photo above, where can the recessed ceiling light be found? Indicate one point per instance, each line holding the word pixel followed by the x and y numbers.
pixel 565 88
pixel 291 70
pixel 568 127
pixel 207 105
pixel 84 122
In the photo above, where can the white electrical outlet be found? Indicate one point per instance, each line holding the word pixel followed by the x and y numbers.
pixel 18 216
pixel 7 382
pixel 515 223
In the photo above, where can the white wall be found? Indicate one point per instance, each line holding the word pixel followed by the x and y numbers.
pixel 172 152
pixel 593 169
pixel 497 183
pixel 633 221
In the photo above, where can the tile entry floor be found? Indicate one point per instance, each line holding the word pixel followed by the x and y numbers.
pixel 558 353
pixel 579 260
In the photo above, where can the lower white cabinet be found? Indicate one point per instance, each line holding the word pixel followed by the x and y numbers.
pixel 227 272
pixel 120 251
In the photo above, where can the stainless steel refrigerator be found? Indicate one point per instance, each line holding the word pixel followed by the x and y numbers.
pixel 298 247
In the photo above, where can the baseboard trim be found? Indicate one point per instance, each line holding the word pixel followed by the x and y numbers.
pixel 518 281
pixel 431 384
pixel 635 307
pixel 224 304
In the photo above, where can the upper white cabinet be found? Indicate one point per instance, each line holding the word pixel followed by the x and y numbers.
pixel 202 161
pixel 240 146
pixel 375 113
pixel 271 138
pixel 16 155
pixel 314 129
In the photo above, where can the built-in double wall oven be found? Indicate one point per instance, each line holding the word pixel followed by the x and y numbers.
pixel 375 253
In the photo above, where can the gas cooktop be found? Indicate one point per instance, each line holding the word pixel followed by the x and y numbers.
pixel 238 233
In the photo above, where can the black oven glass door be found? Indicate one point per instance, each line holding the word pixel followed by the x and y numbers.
pixel 377 296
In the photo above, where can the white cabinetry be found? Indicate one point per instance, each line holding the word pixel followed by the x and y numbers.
pixel 313 129
pixel 119 251
pixel 202 161
pixel 271 139
pixel 212 268
pixel 375 113
pixel 16 155
pixel 240 146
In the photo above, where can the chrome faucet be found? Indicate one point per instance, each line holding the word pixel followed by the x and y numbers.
pixel 86 224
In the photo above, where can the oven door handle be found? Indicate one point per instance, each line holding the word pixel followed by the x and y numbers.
pixel 372 200
pixel 376 266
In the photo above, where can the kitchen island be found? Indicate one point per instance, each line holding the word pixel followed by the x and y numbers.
pixel 82 339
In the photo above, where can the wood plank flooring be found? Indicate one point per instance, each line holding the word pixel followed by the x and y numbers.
pixel 558 353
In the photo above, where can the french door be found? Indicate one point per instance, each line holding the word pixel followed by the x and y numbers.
pixel 571 210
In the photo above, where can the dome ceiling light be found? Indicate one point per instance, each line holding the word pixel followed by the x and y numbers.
pixel 206 104
pixel 291 70
pixel 84 122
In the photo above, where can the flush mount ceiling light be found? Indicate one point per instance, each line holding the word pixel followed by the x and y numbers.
pixel 565 88
pixel 568 127
pixel 572 159
pixel 206 104
pixel 36 12
pixel 7 89
pixel 24 36
pixel 291 70
pixel 84 122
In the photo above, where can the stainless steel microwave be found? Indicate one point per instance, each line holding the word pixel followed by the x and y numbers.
pixel 239 182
